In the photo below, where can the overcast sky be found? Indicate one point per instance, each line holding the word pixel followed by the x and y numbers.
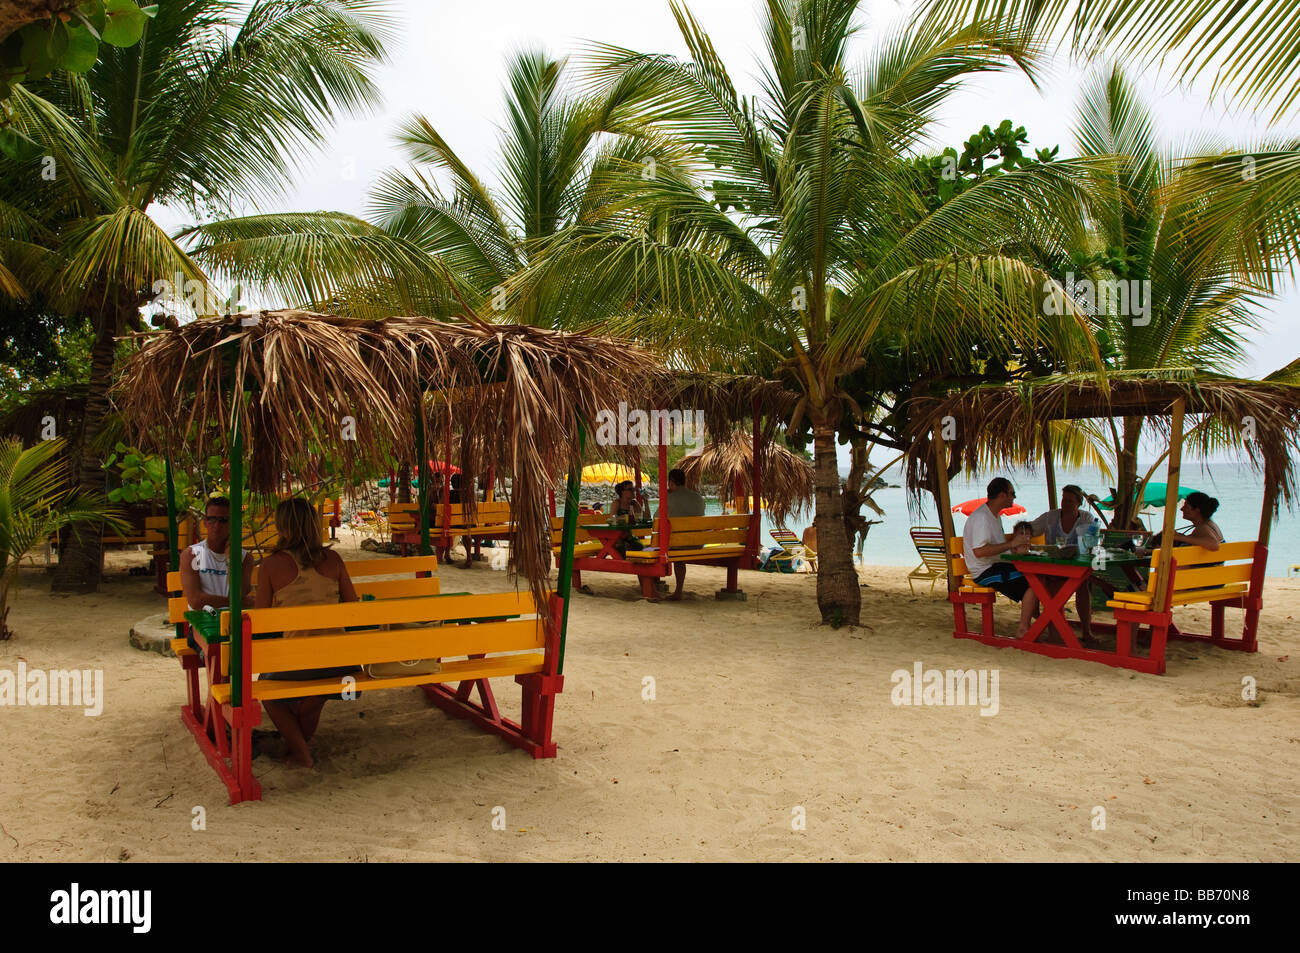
pixel 449 66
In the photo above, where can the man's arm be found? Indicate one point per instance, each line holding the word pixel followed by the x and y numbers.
pixel 194 593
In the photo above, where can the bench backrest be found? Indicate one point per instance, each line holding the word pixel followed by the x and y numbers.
pixel 415 572
pixel 696 531
pixel 582 536
pixel 517 624
pixel 260 532
pixel 1196 567
pixel 405 517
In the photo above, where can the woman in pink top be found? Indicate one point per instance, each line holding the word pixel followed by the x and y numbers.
pixel 301 572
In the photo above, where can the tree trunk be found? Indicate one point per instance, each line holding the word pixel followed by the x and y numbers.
pixel 16 14
pixel 81 553
pixel 838 595
pixel 404 483
pixel 1126 507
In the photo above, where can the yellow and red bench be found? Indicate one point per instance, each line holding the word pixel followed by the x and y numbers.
pixel 728 540
pixel 475 638
pixel 1230 577
pixel 447 522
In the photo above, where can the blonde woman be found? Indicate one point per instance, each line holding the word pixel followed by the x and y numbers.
pixel 301 572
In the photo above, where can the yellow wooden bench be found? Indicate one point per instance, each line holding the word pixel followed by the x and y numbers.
pixel 584 544
pixel 416 580
pixel 705 540
pixel 1231 576
pixel 493 520
pixel 475 638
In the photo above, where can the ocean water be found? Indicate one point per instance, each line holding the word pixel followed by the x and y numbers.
pixel 1239 490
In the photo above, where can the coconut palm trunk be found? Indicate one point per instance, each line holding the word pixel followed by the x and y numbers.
pixel 81 553
pixel 838 595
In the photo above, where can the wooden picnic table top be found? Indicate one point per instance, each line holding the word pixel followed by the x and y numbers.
pixel 1113 558
pixel 617 527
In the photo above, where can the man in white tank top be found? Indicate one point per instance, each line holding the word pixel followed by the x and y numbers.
pixel 205 566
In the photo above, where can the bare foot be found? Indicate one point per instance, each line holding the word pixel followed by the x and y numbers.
pixel 675 597
pixel 295 760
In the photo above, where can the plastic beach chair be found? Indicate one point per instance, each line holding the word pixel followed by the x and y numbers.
pixel 929 544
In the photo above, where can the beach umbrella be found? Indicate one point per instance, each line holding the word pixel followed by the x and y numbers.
pixel 607 473
pixel 1154 496
pixel 970 506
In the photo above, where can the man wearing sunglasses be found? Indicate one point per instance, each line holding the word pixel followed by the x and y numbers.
pixel 205 566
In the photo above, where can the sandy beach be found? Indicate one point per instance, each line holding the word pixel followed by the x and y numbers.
pixel 761 723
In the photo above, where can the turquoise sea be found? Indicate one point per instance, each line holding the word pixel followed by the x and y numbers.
pixel 1239 490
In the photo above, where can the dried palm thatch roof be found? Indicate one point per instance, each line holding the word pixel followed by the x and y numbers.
pixel 725 398
pixel 1001 425
pixel 512 396
pixel 786 477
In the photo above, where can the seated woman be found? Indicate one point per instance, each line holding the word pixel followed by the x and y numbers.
pixel 626 502
pixel 1066 526
pixel 1197 510
pixel 300 571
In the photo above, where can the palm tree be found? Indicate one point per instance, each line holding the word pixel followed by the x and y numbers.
pixel 794 239
pixel 35 503
pixel 220 99
pixel 424 251
pixel 1167 244
pixel 1250 47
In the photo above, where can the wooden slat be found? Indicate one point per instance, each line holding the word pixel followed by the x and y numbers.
pixel 389 612
pixel 176 609
pixel 1210 576
pixel 467 670
pixel 398 588
pixel 1195 555
pixel 357 648
pixel 685 523
pixel 391 566
pixel 1127 600
pixel 704 538
pixel 182 648
pixel 676 555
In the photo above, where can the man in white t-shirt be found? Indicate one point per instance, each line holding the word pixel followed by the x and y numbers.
pixel 984 540
pixel 205 566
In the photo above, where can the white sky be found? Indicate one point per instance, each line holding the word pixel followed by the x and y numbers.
pixel 449 66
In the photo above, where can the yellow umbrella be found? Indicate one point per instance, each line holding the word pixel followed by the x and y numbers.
pixel 608 473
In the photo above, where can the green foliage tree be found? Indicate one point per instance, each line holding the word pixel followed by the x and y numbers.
pixel 218 100
pixel 795 240
pixel 36 502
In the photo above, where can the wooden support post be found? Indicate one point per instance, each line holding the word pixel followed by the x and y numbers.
pixel 756 513
pixel 1270 500
pixel 945 507
pixel 423 472
pixel 236 549
pixel 1049 466
pixel 1171 502
pixel 568 538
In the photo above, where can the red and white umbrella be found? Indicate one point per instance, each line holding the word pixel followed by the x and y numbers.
pixel 970 506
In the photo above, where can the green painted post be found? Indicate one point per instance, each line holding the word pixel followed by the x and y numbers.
pixel 568 538
pixel 173 542
pixel 421 465
pixel 235 645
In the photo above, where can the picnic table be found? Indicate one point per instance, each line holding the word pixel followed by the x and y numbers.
pixel 1069 575
pixel 610 533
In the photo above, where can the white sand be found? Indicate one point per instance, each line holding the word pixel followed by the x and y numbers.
pixel 758 712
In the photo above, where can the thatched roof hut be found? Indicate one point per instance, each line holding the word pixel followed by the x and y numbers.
pixel 787 478
pixel 1002 425
pixel 513 397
